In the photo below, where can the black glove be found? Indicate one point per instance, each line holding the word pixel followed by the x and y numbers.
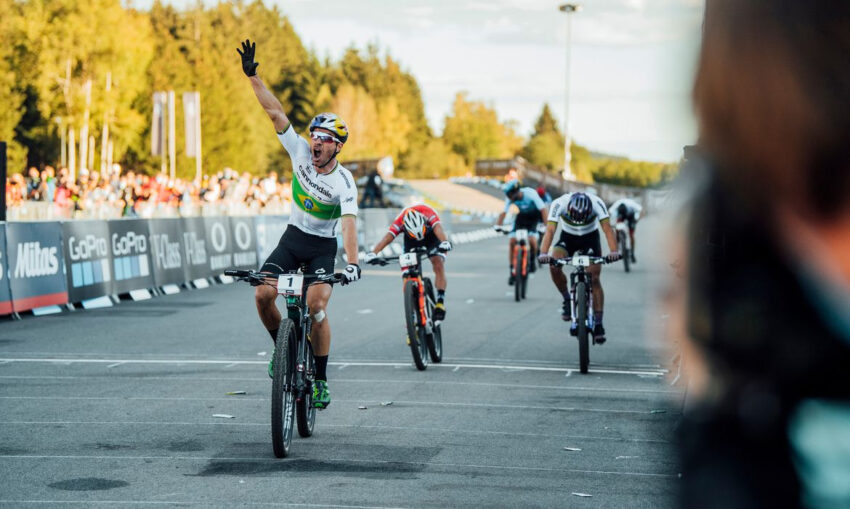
pixel 247 54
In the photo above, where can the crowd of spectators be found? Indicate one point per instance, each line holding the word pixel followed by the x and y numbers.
pixel 51 194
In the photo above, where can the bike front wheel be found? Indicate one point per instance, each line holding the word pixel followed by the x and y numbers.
pixel 305 412
pixel 435 339
pixel 582 331
pixel 415 332
pixel 518 273
pixel 283 397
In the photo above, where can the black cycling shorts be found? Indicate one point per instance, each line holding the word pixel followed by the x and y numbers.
pixel 580 243
pixel 630 220
pixel 430 241
pixel 297 248
pixel 527 221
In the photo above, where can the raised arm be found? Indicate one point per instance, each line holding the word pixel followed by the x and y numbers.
pixel 267 100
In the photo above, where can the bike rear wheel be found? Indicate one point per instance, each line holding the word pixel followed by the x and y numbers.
pixel 283 397
pixel 305 412
pixel 518 279
pixel 415 332
pixel 435 340
pixel 582 331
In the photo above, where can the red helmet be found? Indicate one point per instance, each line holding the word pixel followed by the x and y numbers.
pixel 541 191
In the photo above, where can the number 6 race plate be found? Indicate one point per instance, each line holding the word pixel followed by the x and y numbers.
pixel 290 284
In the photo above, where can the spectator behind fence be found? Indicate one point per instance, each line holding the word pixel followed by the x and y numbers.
pixel 767 278
pixel 131 194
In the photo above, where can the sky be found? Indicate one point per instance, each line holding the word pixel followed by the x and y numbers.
pixel 632 61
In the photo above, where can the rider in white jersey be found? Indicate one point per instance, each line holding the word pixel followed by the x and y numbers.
pixel 320 199
pixel 628 211
pixel 581 216
pixel 325 200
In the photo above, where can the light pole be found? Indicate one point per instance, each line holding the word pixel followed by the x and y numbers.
pixel 569 9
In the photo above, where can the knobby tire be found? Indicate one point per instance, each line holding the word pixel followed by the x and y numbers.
pixel 283 401
pixel 581 327
pixel 517 274
pixel 621 238
pixel 415 333
pixel 305 412
pixel 435 340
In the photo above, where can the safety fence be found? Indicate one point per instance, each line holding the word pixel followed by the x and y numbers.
pixel 48 264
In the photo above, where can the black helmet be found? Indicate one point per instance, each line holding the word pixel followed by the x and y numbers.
pixel 622 210
pixel 579 208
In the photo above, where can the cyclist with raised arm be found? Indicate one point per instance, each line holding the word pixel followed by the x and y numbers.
pixel 532 211
pixel 325 199
pixel 580 216
pixel 628 210
pixel 423 229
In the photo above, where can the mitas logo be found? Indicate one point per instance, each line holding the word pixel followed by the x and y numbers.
pixel 88 247
pixel 35 261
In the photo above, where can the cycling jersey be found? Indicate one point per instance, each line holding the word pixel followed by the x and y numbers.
pixel 634 208
pixel 320 198
pixel 431 218
pixel 558 213
pixel 528 203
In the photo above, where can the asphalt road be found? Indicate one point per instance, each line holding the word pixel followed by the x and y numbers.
pixel 113 407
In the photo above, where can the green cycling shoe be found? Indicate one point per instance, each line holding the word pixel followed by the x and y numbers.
pixel 321 395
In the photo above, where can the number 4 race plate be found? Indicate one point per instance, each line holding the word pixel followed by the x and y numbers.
pixel 407 260
pixel 290 284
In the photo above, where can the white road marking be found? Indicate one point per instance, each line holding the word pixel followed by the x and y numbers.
pixel 640 373
pixel 431 429
pixel 115 365
pixel 450 466
pixel 263 379
pixel 408 403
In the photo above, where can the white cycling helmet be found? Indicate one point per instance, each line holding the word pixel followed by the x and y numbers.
pixel 414 224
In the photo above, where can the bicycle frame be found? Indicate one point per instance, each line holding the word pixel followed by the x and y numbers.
pixel 621 226
pixel 414 273
pixel 521 244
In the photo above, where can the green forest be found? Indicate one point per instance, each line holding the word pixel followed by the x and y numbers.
pixel 85 65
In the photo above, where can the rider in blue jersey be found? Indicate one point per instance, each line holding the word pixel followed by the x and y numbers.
pixel 532 211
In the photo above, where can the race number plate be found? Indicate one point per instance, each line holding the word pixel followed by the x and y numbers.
pixel 581 261
pixel 290 284
pixel 407 260
pixel 522 235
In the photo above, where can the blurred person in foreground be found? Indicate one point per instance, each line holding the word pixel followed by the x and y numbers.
pixel 766 307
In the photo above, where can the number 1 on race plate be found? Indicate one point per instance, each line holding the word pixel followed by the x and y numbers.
pixel 407 260
pixel 290 284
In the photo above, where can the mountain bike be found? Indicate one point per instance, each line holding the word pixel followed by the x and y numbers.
pixel 294 367
pixel 581 300
pixel 424 335
pixel 522 262
pixel 624 243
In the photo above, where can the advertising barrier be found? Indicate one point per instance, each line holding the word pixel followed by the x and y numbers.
pixel 195 260
pixel 166 245
pixel 269 229
pixel 87 259
pixel 131 255
pixel 219 243
pixel 244 244
pixel 35 265
pixel 5 292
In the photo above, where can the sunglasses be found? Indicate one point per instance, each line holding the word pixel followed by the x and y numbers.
pixel 325 137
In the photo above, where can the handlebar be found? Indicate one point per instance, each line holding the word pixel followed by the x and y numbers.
pixel 577 261
pixel 385 260
pixel 260 278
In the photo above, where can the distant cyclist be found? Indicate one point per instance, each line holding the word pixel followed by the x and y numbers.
pixel 324 195
pixel 532 211
pixel 580 216
pixel 544 195
pixel 423 229
pixel 628 210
